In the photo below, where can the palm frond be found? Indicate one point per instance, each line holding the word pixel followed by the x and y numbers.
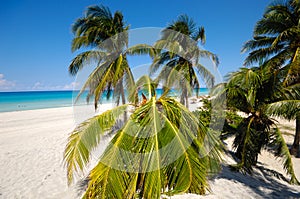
pixel 84 59
pixel 107 33
pixel 142 49
pixel 184 25
pixel 81 41
pixel 173 47
pixel 144 84
pixel 284 108
pixel 199 35
pixel 258 42
pixel 99 11
pixel 208 54
pixel 256 56
pixel 159 60
pixel 159 150
pixel 282 150
pixel 93 80
pixel 86 137
pixel 206 75
pixel 245 146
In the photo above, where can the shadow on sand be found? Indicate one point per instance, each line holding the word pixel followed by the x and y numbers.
pixel 263 182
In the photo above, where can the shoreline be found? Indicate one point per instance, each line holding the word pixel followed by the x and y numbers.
pixel 35 109
pixel 34 100
pixel 55 107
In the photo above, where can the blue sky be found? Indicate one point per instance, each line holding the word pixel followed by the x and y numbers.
pixel 36 36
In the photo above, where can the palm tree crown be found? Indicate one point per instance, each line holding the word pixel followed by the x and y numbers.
pixel 106 34
pixel 159 149
pixel 251 90
pixel 178 55
pixel 277 39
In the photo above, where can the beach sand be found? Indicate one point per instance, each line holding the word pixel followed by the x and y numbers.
pixel 31 160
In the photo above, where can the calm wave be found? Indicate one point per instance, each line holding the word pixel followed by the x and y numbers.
pixel 30 100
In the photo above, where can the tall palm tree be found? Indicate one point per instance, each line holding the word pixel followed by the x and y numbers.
pixel 103 38
pixel 177 57
pixel 277 39
pixel 160 149
pixel 251 90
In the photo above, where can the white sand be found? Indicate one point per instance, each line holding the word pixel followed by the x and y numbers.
pixel 31 150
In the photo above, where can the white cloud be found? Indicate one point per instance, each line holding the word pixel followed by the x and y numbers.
pixel 42 86
pixel 5 84
pixel 71 86
pixel 37 86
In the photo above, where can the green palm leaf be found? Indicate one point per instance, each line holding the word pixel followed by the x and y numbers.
pixel 285 108
pixel 282 150
pixel 84 59
pixel 258 92
pixel 144 84
pixel 86 137
pixel 142 49
pixel 178 57
pixel 106 33
pixel 157 151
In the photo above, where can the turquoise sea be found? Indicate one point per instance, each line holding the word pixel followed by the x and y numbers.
pixel 30 100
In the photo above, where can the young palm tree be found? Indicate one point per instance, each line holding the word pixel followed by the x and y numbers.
pixel 277 38
pixel 251 91
pixel 106 35
pixel 177 57
pixel 160 149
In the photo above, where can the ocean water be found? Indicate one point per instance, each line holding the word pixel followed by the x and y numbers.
pixel 30 100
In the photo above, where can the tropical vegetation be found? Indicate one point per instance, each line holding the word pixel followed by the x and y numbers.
pixel 103 38
pixel 178 57
pixel 251 91
pixel 277 41
pixel 162 147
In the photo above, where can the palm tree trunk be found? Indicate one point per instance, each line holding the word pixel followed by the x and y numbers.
pixel 186 100
pixel 123 102
pixel 295 147
pixel 123 96
pixel 182 98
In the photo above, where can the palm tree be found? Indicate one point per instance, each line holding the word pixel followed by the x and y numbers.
pixel 277 39
pixel 104 38
pixel 251 90
pixel 160 149
pixel 177 57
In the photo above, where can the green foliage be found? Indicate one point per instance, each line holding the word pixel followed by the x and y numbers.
pixel 250 91
pixel 86 137
pixel 282 150
pixel 252 135
pixel 177 58
pixel 232 119
pixel 276 42
pixel 289 105
pixel 104 38
pixel 144 84
pixel 160 149
pixel 204 112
